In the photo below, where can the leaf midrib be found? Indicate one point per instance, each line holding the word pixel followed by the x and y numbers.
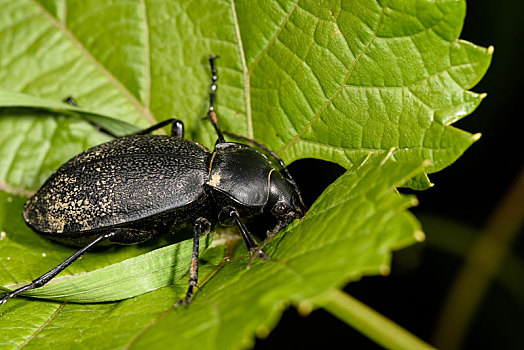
pixel 245 72
pixel 143 110
pixel 147 41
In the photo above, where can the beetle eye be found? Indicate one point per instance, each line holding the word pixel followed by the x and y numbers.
pixel 281 208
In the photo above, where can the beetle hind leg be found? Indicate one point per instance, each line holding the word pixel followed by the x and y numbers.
pixel 42 280
pixel 70 100
pixel 177 128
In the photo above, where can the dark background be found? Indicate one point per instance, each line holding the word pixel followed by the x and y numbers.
pixel 468 192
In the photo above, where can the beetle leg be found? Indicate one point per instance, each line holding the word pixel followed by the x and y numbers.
pixel 249 240
pixel 177 129
pixel 71 101
pixel 201 226
pixel 40 281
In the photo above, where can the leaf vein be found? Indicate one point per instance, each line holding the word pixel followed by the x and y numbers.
pixel 446 70
pixel 272 41
pixel 337 92
pixel 41 328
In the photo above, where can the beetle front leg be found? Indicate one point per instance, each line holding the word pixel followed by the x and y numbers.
pixel 251 245
pixel 200 227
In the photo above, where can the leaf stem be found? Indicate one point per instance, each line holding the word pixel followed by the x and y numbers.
pixel 370 323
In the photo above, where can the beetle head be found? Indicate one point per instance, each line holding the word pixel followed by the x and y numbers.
pixel 284 201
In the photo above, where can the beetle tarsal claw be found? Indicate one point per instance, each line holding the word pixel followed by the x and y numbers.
pixel 181 302
pixel 256 253
pixel 184 302
pixel 260 254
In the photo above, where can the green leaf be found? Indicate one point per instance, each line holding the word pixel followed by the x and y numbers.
pixel 234 301
pixel 329 80
pixel 389 73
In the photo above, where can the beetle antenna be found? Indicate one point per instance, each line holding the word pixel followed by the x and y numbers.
pixel 211 114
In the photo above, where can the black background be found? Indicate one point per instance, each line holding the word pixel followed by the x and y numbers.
pixel 468 191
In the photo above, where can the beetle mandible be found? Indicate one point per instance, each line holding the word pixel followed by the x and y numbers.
pixel 135 187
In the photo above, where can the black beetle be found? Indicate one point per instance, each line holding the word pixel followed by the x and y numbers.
pixel 135 187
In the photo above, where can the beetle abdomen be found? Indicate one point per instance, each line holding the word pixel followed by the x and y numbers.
pixel 121 181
